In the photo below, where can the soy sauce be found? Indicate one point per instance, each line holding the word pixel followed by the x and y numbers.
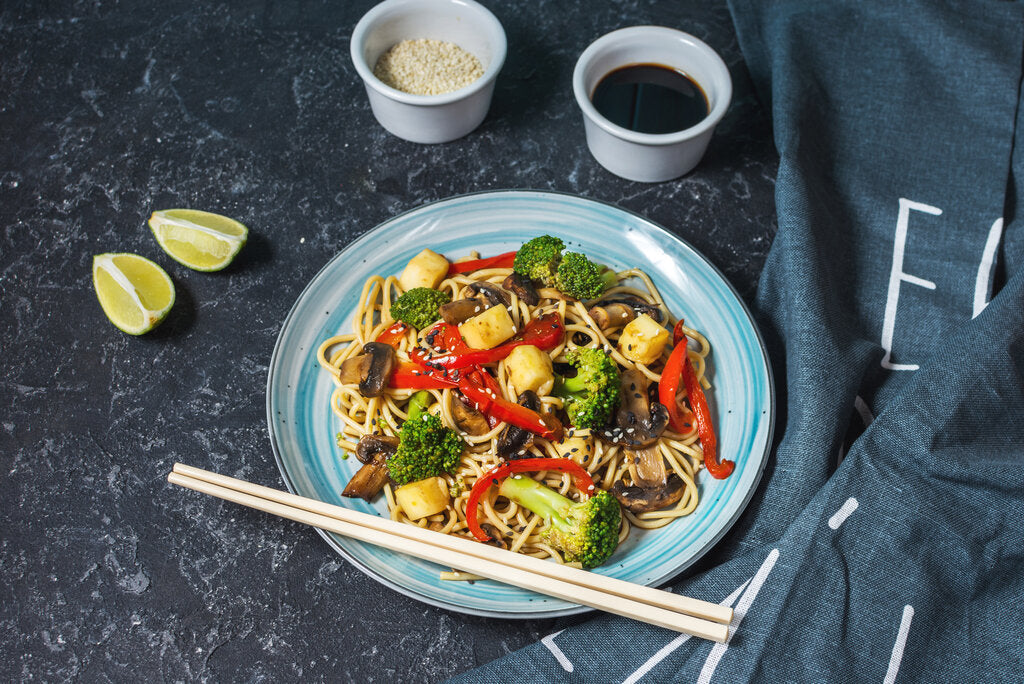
pixel 650 98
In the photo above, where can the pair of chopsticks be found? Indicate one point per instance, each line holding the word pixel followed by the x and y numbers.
pixel 646 604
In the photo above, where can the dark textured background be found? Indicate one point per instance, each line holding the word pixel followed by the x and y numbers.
pixel 111 110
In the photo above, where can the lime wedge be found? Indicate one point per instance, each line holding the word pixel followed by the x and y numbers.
pixel 135 293
pixel 198 239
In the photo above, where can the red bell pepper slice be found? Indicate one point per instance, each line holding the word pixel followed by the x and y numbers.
pixel 501 261
pixel 581 478
pixel 546 332
pixel 702 416
pixel 679 417
pixel 481 390
pixel 487 381
pixel 677 333
pixel 679 367
pixel 414 376
pixel 490 402
pixel 394 334
pixel 670 376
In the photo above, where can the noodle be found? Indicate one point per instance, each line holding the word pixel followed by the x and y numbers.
pixel 605 462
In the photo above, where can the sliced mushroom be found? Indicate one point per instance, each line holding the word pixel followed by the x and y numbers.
pixel 495 536
pixel 461 310
pixel 647 467
pixel 514 440
pixel 554 293
pixel 494 294
pixel 612 315
pixel 522 287
pixel 371 445
pixel 354 369
pixel 371 369
pixel 633 302
pixel 641 500
pixel 468 419
pixel 367 482
pixel 638 422
pixel 373 452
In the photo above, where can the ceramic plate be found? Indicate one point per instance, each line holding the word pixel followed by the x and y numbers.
pixel 302 427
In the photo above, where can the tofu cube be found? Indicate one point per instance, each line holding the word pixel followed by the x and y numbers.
pixel 426 269
pixel 529 368
pixel 488 329
pixel 579 447
pixel 643 339
pixel 423 498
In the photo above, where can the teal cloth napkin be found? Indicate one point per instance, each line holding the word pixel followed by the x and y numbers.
pixel 893 298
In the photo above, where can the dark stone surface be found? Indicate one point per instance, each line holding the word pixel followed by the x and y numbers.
pixel 109 111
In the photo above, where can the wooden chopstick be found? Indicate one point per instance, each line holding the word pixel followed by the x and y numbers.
pixel 654 606
pixel 656 597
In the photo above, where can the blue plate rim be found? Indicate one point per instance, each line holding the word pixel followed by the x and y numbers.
pixel 543 614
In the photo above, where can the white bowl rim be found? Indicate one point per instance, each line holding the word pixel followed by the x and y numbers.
pixel 709 122
pixel 366 72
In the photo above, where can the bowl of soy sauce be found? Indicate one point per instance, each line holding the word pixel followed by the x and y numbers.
pixel 651 97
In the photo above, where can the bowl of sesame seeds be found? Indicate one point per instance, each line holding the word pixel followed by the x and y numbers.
pixel 429 66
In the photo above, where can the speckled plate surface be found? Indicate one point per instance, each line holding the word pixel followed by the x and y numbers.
pixel 302 427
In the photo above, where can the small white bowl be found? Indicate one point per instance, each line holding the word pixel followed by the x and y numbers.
pixel 650 157
pixel 429 118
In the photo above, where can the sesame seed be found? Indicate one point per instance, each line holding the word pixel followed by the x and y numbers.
pixel 427 67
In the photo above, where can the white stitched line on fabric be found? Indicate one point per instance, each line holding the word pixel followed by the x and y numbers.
pixel 897 648
pixel 549 641
pixel 665 650
pixel 988 256
pixel 848 507
pixel 741 610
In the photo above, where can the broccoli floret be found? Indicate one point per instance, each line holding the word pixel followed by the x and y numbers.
pixel 581 278
pixel 419 306
pixel 418 403
pixel 426 448
pixel 586 532
pixel 593 394
pixel 538 259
